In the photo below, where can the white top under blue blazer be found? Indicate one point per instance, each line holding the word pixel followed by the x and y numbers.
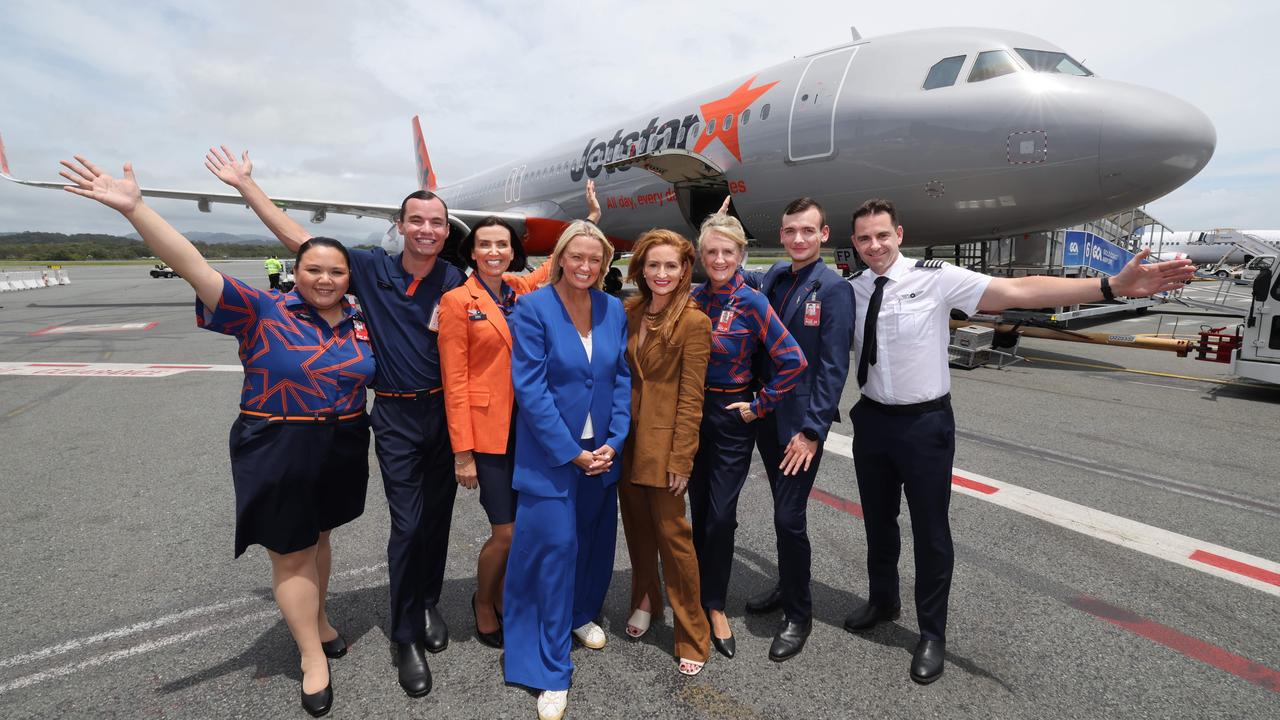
pixel 556 385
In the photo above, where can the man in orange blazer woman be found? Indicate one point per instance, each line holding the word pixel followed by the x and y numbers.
pixel 668 345
pixel 475 357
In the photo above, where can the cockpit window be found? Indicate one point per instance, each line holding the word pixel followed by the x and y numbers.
pixel 944 72
pixel 990 64
pixel 1052 62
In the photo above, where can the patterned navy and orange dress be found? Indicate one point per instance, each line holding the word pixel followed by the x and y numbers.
pixel 300 447
pixel 741 321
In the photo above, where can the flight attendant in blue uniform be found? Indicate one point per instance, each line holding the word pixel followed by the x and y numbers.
pixel 300 447
pixel 741 322
pixel 573 394
pixel 398 296
pixel 816 305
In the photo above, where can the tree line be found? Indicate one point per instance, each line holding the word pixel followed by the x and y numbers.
pixel 57 247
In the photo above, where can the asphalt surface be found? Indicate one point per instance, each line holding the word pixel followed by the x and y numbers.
pixel 121 597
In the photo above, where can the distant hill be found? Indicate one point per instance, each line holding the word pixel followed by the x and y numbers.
pixel 46 246
pixel 221 238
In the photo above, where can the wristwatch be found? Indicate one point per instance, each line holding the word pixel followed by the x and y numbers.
pixel 1106 289
pixel 810 434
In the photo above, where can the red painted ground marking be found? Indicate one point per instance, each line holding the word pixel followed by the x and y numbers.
pixel 1194 648
pixel 838 503
pixel 1236 566
pixel 974 485
pixel 180 367
pixel 59 364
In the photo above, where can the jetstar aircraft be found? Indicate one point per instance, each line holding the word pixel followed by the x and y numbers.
pixel 975 134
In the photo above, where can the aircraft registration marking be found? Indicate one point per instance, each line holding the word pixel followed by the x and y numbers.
pixel 108 369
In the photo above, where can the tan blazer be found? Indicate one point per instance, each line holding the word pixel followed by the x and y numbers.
pixel 667 385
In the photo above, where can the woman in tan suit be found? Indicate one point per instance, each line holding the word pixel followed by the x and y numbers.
pixel 669 342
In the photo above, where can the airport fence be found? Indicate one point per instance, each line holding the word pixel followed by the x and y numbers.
pixel 11 281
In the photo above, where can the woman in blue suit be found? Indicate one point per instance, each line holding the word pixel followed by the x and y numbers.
pixel 573 391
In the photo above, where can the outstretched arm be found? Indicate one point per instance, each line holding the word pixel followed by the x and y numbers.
pixel 593 204
pixel 1135 280
pixel 239 175
pixel 123 196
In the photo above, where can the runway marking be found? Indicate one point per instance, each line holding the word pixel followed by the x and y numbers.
pixel 1248 570
pixel 1166 386
pixel 103 327
pixel 104 369
pixel 1179 642
pixel 1114 368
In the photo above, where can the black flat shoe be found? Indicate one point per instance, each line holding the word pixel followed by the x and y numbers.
pixel 320 703
pixel 437 633
pixel 414 674
pixel 926 661
pixel 790 640
pixel 335 648
pixel 492 639
pixel 868 615
pixel 725 646
pixel 766 603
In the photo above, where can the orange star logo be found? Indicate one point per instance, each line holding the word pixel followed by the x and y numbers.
pixel 716 111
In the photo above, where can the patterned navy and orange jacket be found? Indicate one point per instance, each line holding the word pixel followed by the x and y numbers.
pixel 741 321
pixel 294 363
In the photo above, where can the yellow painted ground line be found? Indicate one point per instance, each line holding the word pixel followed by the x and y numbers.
pixel 1216 381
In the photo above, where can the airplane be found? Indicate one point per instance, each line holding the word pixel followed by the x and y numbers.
pixel 1218 246
pixel 975 134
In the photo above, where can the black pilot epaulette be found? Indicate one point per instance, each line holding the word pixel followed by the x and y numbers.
pixel 857 274
pixel 930 264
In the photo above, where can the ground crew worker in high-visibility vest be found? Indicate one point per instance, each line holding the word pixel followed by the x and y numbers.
pixel 274 268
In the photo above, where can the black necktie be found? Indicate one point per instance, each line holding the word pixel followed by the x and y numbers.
pixel 868 356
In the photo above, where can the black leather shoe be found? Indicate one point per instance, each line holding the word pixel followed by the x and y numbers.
pixel 415 676
pixel 725 646
pixel 492 639
pixel 766 603
pixel 790 640
pixel 335 648
pixel 437 637
pixel 317 704
pixel 926 662
pixel 869 614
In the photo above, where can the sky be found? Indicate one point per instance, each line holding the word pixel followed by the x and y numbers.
pixel 322 92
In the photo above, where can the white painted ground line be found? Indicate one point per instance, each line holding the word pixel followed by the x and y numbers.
pixel 77 369
pixel 1248 570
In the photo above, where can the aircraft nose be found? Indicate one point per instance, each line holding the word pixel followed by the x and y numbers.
pixel 1150 143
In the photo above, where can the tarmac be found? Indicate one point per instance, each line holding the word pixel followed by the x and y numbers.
pixel 1085 475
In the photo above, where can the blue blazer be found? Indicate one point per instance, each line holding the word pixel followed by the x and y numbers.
pixel 814 404
pixel 555 388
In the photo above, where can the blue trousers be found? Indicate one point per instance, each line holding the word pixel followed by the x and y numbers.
pixel 558 573
pixel 790 501
pixel 893 454
pixel 416 461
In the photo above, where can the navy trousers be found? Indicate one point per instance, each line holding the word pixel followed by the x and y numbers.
pixel 893 454
pixel 558 573
pixel 719 471
pixel 790 501
pixel 416 460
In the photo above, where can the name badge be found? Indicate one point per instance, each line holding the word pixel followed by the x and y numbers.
pixel 362 332
pixel 475 314
pixel 434 323
pixel 812 313
pixel 726 320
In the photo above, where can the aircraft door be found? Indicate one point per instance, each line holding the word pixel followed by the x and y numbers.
pixel 511 188
pixel 811 129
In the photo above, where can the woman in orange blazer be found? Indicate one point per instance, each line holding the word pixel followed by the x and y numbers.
pixel 475 360
pixel 669 343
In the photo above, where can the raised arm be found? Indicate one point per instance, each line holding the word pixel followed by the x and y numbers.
pixel 593 204
pixel 1135 280
pixel 122 195
pixel 239 175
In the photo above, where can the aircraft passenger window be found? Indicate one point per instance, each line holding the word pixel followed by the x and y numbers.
pixel 944 72
pixel 728 121
pixel 746 115
pixel 711 126
pixel 990 64
pixel 1052 62
pixel 764 112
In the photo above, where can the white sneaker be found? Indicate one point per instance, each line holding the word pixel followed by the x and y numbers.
pixel 590 635
pixel 551 704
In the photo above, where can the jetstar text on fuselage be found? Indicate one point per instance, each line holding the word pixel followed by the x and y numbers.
pixel 654 137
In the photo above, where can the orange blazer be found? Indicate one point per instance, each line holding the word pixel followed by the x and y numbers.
pixel 475 361
pixel 666 397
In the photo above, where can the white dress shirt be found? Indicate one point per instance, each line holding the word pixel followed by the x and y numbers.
pixel 912 329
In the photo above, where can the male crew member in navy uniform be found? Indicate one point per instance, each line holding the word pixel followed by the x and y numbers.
pixel 904 430
pixel 398 296
pixel 816 305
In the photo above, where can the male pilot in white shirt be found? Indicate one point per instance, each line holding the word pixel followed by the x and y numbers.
pixel 903 426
